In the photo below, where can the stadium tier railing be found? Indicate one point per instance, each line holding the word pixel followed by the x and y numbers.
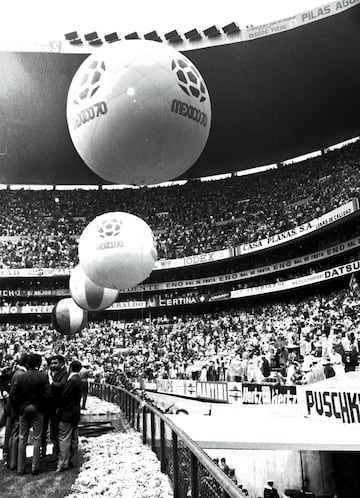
pixel 191 471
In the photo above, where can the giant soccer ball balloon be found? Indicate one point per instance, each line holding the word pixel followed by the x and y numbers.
pixel 117 250
pixel 138 112
pixel 68 318
pixel 87 294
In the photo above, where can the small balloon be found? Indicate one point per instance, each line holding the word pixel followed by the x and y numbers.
pixel 117 250
pixel 88 295
pixel 68 318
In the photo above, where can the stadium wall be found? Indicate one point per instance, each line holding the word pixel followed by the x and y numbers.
pixel 287 468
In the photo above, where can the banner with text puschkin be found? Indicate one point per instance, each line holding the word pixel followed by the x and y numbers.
pixel 336 399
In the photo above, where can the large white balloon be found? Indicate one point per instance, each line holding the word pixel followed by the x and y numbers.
pixel 138 112
pixel 87 294
pixel 117 250
pixel 68 318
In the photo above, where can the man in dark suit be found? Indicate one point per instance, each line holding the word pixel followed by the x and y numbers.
pixel 20 369
pixel 69 416
pixel 58 375
pixel 5 419
pixel 29 397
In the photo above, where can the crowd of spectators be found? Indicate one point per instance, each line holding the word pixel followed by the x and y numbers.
pixel 40 228
pixel 292 342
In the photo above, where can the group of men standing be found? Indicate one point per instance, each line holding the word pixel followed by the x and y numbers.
pixel 43 399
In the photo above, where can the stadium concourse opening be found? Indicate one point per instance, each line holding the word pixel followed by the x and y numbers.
pixel 221 340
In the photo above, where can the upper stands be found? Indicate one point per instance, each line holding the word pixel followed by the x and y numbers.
pixel 40 228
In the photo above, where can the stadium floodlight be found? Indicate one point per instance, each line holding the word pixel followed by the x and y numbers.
pixel 73 38
pixel 153 36
pixel 91 36
pixel 231 28
pixel 193 34
pixel 173 36
pixel 212 32
pixel 111 37
pixel 132 36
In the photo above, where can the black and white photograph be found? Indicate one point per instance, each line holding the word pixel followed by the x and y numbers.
pixel 180 249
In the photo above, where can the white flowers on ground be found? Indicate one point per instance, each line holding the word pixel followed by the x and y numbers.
pixel 117 465
pixel 96 406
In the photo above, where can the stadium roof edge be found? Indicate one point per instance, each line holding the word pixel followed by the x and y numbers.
pixel 232 33
pixel 274 99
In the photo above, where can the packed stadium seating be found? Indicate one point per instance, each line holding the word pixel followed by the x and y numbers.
pixel 40 228
pixel 230 345
pixel 248 343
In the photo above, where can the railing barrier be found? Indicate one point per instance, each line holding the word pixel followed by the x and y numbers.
pixel 191 471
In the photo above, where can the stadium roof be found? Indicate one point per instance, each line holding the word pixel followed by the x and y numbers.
pixel 274 97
